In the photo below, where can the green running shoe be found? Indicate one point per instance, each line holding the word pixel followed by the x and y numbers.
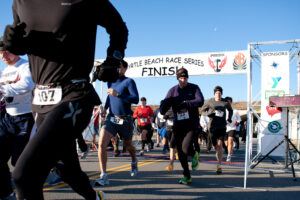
pixel 185 180
pixel 195 161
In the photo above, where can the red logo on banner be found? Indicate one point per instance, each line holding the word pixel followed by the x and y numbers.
pixel 273 110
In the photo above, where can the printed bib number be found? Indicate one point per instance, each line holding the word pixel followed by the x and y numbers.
pixel 183 115
pixel 116 120
pixel 47 96
pixel 170 122
pixel 143 120
pixel 219 113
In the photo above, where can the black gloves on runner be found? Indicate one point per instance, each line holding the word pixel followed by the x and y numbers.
pixel 182 105
pixel 108 70
pixel 14 39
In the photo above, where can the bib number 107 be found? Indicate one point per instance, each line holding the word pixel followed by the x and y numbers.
pixel 47 96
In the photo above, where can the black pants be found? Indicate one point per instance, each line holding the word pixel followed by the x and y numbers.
pixel 54 144
pixel 184 141
pixel 14 135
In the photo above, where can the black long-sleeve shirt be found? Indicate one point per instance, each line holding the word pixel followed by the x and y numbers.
pixel 193 98
pixel 61 37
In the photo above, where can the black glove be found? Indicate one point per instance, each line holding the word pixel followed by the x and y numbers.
pixel 14 39
pixel 108 70
pixel 182 105
pixel 229 121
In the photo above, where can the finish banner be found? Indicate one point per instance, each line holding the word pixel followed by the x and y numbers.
pixel 231 62
pixel 275 81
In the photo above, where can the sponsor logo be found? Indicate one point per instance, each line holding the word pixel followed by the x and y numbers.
pixel 274 127
pixel 269 93
pixel 275 81
pixel 274 65
pixel 217 64
pixel 273 110
pixel 239 62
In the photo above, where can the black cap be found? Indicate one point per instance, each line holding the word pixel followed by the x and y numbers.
pixel 2 47
pixel 143 99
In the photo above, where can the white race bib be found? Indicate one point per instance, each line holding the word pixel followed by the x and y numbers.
pixel 184 114
pixel 143 120
pixel 219 113
pixel 47 96
pixel 116 120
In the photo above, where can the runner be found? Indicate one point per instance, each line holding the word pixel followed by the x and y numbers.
pixel 184 98
pixel 231 130
pixel 16 120
pixel 121 95
pixel 144 115
pixel 161 129
pixel 169 117
pixel 216 108
pixel 59 38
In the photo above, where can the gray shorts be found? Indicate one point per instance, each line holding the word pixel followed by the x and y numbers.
pixel 123 126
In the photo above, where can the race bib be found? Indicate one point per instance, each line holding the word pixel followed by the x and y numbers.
pixel 47 96
pixel 116 120
pixel 170 122
pixel 143 120
pixel 219 113
pixel 183 115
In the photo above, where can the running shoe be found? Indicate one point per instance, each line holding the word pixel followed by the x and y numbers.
pixel 134 168
pixel 142 152
pixel 12 196
pixel 56 179
pixel 219 169
pixel 185 180
pixel 100 195
pixel 228 158
pixel 117 153
pixel 176 156
pixel 170 168
pixel 84 154
pixel 157 145
pixel 195 161
pixel 102 181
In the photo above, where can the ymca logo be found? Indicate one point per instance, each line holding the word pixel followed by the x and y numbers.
pixel 217 64
pixel 275 81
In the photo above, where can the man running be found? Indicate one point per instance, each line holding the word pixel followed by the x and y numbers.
pixel 144 115
pixel 184 98
pixel 17 122
pixel 231 130
pixel 121 94
pixel 59 38
pixel 161 129
pixel 216 108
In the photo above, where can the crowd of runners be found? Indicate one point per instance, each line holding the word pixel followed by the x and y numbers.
pixel 59 40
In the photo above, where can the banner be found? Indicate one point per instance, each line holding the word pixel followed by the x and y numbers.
pixel 274 82
pixel 231 62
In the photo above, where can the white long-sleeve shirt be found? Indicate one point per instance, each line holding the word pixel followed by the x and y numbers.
pixel 235 118
pixel 20 87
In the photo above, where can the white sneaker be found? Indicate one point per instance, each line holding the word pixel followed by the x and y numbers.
pixel 84 154
pixel 102 181
pixel 228 158
pixel 134 168
pixel 142 152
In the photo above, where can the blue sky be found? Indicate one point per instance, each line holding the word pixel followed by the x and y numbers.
pixel 162 27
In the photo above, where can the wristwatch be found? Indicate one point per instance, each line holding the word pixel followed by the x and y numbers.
pixel 117 55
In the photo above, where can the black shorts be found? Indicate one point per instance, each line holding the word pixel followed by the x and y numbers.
pixel 216 135
pixel 229 134
pixel 147 127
